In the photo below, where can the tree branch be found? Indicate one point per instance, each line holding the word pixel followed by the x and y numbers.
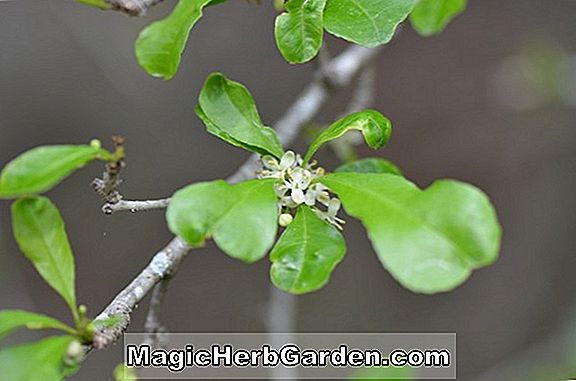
pixel 364 92
pixel 164 264
pixel 281 318
pixel 341 71
pixel 134 206
pixel 362 98
pixel 153 326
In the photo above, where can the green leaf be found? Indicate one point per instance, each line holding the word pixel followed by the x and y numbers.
pixel 95 3
pixel 366 22
pixel 241 218
pixel 299 30
pixel 306 253
pixel 431 16
pixel 160 46
pixel 229 112
pixel 108 322
pixel 375 127
pixel 39 230
pixel 40 169
pixel 11 320
pixel 194 209
pixel 41 360
pixel 384 373
pixel 429 240
pixel 123 372
pixel 370 165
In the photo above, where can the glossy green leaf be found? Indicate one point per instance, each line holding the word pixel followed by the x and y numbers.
pixel 11 320
pixel 39 231
pixel 40 169
pixel 194 209
pixel 229 112
pixel 299 31
pixel 241 218
pixel 375 127
pixel 366 22
pixel 370 165
pixel 160 46
pixel 429 240
pixel 306 254
pixel 431 16
pixel 42 360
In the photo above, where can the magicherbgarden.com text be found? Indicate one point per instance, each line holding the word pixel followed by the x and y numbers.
pixel 289 355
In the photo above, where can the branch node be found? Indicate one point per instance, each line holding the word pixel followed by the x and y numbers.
pixel 107 186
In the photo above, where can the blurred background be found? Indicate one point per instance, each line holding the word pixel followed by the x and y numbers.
pixel 491 101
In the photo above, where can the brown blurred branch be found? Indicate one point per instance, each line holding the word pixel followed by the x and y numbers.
pixel 341 71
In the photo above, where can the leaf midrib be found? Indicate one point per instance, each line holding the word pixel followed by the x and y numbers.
pixel 257 184
pixel 376 32
pixel 255 125
pixel 304 246
pixel 53 261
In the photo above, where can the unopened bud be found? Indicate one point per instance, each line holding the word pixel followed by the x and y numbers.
pixel 269 162
pixel 285 219
pixel 74 353
pixel 95 143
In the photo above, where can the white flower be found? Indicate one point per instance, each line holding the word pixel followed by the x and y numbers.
pixel 296 185
pixel 297 181
pixel 275 169
pixel 330 215
pixel 288 160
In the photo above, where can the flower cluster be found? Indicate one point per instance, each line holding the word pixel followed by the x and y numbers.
pixel 297 185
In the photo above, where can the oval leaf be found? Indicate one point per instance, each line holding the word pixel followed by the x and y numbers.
pixel 42 360
pixel 306 253
pixel 14 319
pixel 299 30
pixel 40 169
pixel 375 127
pixel 241 218
pixel 229 112
pixel 160 46
pixel 39 231
pixel 366 22
pixel 431 16
pixel 370 165
pixel 429 240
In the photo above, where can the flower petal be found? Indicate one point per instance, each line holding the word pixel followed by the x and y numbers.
pixel 298 196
